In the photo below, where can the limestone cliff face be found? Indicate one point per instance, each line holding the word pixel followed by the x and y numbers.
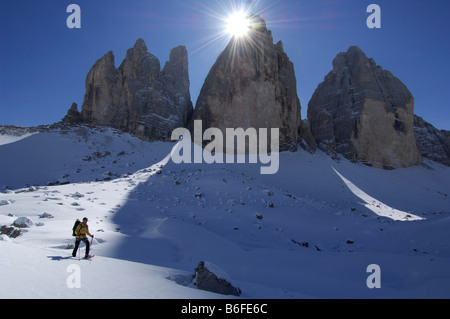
pixel 252 85
pixel 102 98
pixel 139 97
pixel 364 113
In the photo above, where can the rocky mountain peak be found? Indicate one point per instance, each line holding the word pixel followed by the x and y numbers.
pixel 257 23
pixel 364 113
pixel 176 66
pixel 138 97
pixel 139 64
pixel 252 84
pixel 353 57
pixel 140 43
pixel 73 116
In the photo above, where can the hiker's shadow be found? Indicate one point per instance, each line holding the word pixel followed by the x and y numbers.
pixel 59 258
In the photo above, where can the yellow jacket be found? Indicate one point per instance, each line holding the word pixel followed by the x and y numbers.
pixel 82 230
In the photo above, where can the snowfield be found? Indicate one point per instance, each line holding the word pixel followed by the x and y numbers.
pixel 309 231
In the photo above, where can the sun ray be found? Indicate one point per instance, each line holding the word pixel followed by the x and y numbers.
pixel 229 22
pixel 238 24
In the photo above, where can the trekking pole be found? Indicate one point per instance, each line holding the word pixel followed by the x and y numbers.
pixel 92 240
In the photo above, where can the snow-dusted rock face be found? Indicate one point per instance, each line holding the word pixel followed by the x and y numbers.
pixel 139 97
pixel 252 85
pixel 433 143
pixel 364 113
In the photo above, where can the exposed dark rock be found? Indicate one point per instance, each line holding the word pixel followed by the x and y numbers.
pixel 23 222
pixel 11 232
pixel 73 116
pixel 434 144
pixel 207 278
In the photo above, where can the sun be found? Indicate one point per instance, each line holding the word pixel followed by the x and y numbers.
pixel 238 24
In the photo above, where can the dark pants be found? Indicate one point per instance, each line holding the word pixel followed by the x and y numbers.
pixel 77 244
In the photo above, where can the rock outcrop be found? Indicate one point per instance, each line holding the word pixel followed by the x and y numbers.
pixel 211 278
pixel 306 139
pixel 433 144
pixel 364 113
pixel 73 116
pixel 23 222
pixel 139 97
pixel 252 85
pixel 11 232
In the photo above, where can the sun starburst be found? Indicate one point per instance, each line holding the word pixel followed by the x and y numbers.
pixel 231 22
pixel 237 24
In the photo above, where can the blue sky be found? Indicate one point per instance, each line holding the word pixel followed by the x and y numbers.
pixel 43 64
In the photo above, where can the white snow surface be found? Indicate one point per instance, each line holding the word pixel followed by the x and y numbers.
pixel 7 139
pixel 309 231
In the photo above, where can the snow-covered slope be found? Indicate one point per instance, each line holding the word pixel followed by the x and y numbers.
pixel 310 231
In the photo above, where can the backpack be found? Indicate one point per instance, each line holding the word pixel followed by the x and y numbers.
pixel 75 227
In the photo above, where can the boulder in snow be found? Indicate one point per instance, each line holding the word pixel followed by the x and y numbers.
pixel 212 278
pixel 23 222
pixel 10 232
pixel 46 215
pixel 4 202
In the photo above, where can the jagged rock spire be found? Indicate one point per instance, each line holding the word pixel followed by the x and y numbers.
pixel 138 97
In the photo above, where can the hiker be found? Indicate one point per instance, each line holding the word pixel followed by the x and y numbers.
pixel 80 232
